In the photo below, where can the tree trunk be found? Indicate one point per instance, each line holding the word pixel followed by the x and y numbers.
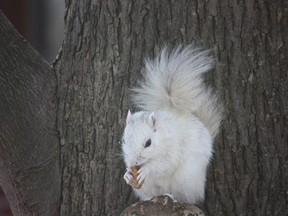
pixel 102 54
pixel 29 145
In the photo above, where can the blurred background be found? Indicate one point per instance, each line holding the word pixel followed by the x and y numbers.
pixel 41 23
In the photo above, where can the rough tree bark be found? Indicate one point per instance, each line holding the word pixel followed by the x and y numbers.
pixel 29 146
pixel 102 53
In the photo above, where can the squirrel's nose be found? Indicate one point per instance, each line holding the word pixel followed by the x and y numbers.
pixel 133 163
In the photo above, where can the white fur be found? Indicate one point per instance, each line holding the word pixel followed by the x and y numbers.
pixel 174 81
pixel 181 118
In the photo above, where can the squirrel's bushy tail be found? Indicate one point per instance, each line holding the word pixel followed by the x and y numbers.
pixel 174 81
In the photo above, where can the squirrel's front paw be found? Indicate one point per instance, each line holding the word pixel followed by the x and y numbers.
pixel 142 174
pixel 128 176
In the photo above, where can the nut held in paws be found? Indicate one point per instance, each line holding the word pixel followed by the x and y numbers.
pixel 133 182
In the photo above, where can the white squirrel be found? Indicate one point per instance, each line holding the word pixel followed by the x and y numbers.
pixel 171 138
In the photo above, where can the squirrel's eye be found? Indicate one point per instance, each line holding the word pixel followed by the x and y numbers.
pixel 148 143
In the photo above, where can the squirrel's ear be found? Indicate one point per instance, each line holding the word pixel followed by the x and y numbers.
pixel 129 117
pixel 152 120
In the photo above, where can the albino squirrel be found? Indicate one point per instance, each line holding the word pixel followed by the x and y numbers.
pixel 171 138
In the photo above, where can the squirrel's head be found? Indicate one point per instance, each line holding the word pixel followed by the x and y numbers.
pixel 139 137
pixel 150 137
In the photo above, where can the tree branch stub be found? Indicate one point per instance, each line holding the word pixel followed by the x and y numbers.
pixel 162 206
